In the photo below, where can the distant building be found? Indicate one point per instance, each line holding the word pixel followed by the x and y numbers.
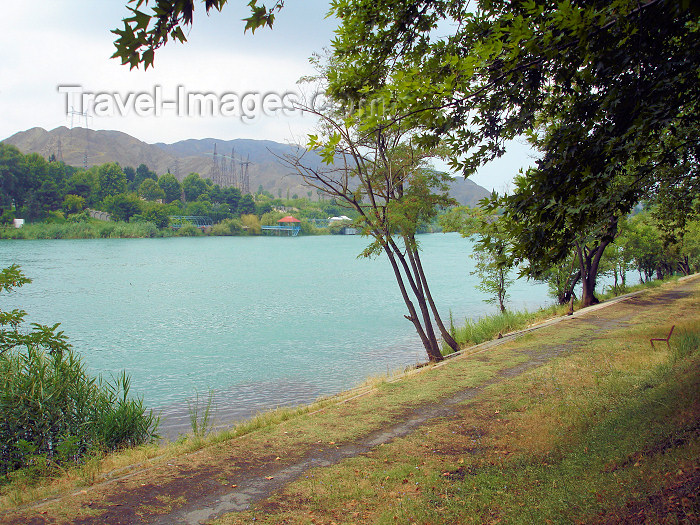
pixel 343 223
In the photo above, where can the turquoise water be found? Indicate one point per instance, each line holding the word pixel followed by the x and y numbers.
pixel 263 321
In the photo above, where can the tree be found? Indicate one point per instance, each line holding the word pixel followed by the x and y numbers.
pixel 492 270
pixel 130 173
pixel 562 278
pixel 200 207
pixel 144 32
pixel 232 197
pixel 123 206
pixel 171 187
pixel 219 211
pixel 73 203
pixel 13 170
pixel 150 190
pixel 261 208
pixel 606 90
pixel 617 259
pixel 193 186
pixel 387 181
pixel 141 174
pixel 645 245
pixel 84 184
pixel 491 252
pixel 111 180
pixel 155 213
pixel 36 182
pixel 49 196
pixel 246 206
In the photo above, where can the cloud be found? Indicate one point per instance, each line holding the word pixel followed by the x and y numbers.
pixel 68 42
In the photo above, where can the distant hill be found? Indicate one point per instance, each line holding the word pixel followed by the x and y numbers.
pixel 192 155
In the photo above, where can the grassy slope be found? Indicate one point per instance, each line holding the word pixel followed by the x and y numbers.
pixel 613 423
pixel 604 427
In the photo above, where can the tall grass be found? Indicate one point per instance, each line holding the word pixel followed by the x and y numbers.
pixel 85 230
pixel 54 413
pixel 489 327
pixel 201 414
pixel 687 342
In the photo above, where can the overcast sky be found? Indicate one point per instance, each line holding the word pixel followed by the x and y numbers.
pixel 51 50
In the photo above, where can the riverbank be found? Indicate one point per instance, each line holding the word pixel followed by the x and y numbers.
pixel 578 421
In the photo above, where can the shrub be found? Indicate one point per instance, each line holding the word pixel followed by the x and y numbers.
pixel 251 224
pixel 83 216
pixel 189 230
pixel 7 217
pixel 228 227
pixel 52 411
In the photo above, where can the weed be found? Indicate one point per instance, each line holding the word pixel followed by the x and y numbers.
pixel 201 416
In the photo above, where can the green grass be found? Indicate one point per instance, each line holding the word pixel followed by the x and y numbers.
pixel 93 229
pixel 610 420
pixel 55 414
pixel 488 327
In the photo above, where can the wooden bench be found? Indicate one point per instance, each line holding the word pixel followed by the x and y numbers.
pixel 663 338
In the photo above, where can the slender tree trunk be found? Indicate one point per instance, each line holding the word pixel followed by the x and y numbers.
pixel 501 289
pixel 573 281
pixel 447 337
pixel 419 294
pixel 429 345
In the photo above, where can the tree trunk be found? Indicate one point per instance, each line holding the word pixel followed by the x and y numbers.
pixel 427 338
pixel 501 289
pixel 419 293
pixel 589 261
pixel 573 281
pixel 588 297
pixel 447 337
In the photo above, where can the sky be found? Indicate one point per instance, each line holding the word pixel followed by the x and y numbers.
pixel 55 64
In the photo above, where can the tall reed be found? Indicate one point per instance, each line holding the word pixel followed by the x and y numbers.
pixel 489 327
pixel 53 411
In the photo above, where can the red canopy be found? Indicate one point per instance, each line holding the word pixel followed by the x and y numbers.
pixel 288 218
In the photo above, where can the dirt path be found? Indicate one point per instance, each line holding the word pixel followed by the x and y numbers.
pixel 204 485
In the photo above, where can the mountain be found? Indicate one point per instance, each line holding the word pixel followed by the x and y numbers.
pixel 223 161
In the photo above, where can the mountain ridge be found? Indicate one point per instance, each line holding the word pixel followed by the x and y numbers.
pixel 261 158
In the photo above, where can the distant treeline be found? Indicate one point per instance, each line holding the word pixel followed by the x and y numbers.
pixel 48 192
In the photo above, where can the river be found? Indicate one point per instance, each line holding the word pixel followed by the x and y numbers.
pixel 261 321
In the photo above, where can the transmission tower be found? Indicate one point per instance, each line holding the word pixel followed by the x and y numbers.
pixel 215 168
pixel 232 169
pixel 245 181
pixel 83 114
